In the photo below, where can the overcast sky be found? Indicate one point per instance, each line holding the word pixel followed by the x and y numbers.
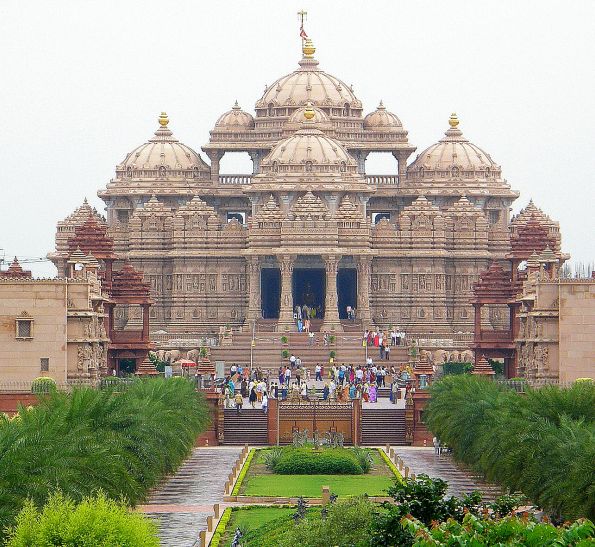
pixel 82 83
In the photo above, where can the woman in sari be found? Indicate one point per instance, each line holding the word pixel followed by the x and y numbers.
pixel 366 393
pixel 352 391
pixel 373 393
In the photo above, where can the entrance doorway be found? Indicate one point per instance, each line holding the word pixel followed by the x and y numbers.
pixel 126 367
pixel 346 290
pixel 270 291
pixel 309 288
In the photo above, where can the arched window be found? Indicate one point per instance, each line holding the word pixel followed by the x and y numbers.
pixel 343 167
pixel 129 172
pixel 308 167
pixel 275 167
pixel 487 172
pixel 454 172
pixel 195 173
pixel 346 110
pixel 162 171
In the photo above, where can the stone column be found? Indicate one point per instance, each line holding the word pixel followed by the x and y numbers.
pixel 254 298
pixel 255 156
pixel 215 157
pixel 286 311
pixel 331 311
pixel 364 268
pixel 401 158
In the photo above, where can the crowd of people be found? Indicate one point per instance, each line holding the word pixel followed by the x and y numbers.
pixel 339 383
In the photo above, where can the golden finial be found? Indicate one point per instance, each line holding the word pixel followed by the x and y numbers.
pixel 453 120
pixel 163 119
pixel 308 48
pixel 309 112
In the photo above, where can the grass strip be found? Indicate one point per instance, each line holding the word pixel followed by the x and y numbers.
pixel 390 464
pixel 220 530
pixel 243 472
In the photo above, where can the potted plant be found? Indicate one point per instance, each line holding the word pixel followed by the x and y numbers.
pixel 285 354
pixel 331 339
pixel 284 340
pixel 332 354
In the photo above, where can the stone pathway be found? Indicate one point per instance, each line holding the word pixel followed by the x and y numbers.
pixel 460 481
pixel 181 505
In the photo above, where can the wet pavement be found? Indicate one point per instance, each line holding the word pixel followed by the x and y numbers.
pixel 460 480
pixel 183 503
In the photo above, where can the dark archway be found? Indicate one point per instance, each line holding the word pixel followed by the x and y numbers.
pixel 309 288
pixel 126 367
pixel 346 290
pixel 270 290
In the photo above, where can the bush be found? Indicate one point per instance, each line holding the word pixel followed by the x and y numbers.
pixel 305 461
pixel 457 368
pixel 284 339
pixel 541 443
pixel 271 457
pixel 43 385
pixel 332 354
pixel 285 354
pixel 91 440
pixel 94 521
pixel 363 457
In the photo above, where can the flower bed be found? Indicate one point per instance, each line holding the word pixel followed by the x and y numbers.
pixel 306 461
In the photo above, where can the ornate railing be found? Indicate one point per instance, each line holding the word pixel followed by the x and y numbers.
pixel 383 180
pixel 235 179
pixel 496 336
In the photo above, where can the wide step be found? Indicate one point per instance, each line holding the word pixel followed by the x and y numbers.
pixel 382 426
pixel 248 427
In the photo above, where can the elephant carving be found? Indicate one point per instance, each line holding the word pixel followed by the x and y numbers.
pixel 161 354
pixel 428 355
pixel 172 356
pixel 467 356
pixel 441 356
pixel 193 355
pixel 455 356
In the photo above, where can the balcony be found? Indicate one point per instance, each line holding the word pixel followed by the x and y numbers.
pixel 383 180
pixel 235 179
pixel 495 336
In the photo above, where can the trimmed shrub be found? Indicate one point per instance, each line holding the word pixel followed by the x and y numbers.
pixel 305 461
pixel 457 368
pixel 285 354
pixel 271 457
pixel 94 521
pixel 43 384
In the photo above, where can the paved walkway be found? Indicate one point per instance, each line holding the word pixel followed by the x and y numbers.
pixel 460 481
pixel 181 505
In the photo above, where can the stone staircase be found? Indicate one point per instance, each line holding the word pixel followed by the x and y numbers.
pixel 383 425
pixel 268 348
pixel 248 427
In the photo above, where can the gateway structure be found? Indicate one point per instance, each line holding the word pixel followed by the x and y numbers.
pixel 309 226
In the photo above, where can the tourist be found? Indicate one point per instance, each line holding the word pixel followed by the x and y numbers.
pixel 436 443
pixel 372 391
pixel 318 371
pixel 402 338
pixel 381 351
pixel 298 376
pixel 387 352
pixel 233 369
pixel 298 362
pixel 366 392
pixel 265 402
pixel 298 312
pixel 292 361
pixel 332 390
pixel 383 377
pixel 283 391
pixel 239 400
pixel 310 335
pixel 326 339
pixel 393 337
pixel 352 391
pixel 281 374
pixel 304 391
pixel 287 375
pixel 299 325
pixel 325 391
pixel 252 397
pixel 244 387
pixel 307 328
pixel 359 375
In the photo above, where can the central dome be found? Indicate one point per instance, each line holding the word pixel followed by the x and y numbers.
pixel 309 150
pixel 308 84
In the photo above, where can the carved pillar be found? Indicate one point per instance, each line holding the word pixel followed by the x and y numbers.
pixel 286 310
pixel 256 156
pixel 364 268
pixel 215 157
pixel 331 310
pixel 254 301
pixel 477 328
pixel 145 322
pixel 401 158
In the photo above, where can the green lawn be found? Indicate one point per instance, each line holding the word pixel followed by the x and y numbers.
pixel 310 486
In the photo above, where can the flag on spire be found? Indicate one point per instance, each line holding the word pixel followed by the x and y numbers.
pixel 302 14
pixel 303 33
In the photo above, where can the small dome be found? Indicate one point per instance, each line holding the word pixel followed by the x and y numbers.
pixel 308 113
pixel 162 157
pixel 309 150
pixel 453 157
pixel 309 84
pixel 382 120
pixel 235 120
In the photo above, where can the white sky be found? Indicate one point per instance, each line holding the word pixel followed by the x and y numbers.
pixel 82 83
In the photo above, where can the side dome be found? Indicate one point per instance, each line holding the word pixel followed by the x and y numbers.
pixel 235 120
pixel 163 158
pixel 308 150
pixel 308 84
pixel 455 158
pixel 382 120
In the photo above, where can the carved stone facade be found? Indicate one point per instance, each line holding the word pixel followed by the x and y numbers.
pixel 308 225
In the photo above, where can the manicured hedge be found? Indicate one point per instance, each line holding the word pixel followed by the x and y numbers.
pixel 541 443
pixel 122 443
pixel 306 461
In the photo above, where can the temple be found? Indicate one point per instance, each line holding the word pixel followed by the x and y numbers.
pixel 309 225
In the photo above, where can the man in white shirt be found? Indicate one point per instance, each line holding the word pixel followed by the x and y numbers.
pixel 318 370
pixel 287 375
pixel 292 360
